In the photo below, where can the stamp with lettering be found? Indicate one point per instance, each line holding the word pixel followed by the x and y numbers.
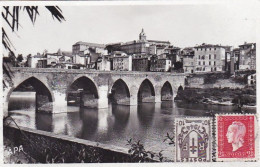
pixel 193 139
pixel 236 136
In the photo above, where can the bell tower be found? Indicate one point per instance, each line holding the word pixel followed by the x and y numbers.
pixel 142 35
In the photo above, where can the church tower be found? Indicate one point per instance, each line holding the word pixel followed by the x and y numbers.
pixel 142 35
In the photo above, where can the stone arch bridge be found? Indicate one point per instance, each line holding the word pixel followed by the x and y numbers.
pixel 122 87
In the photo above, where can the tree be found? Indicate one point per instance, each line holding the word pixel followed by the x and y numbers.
pixel 20 58
pixel 27 58
pixel 178 65
pixel 12 58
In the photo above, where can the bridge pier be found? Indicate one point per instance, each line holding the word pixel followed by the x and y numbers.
pixel 158 96
pixel 60 102
pixel 103 99
pixel 133 100
pixel 133 96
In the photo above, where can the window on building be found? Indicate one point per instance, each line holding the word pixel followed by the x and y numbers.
pixel 209 56
pixel 199 56
pixel 209 48
pixel 214 48
pixel 215 56
pixel 210 63
pixel 214 63
pixel 203 62
pixel 203 68
pixel 199 62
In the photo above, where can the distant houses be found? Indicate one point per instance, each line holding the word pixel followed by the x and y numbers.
pixel 149 55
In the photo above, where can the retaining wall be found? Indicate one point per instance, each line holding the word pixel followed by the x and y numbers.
pixel 45 146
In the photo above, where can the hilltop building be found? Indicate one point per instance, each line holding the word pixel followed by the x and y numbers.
pixel 141 46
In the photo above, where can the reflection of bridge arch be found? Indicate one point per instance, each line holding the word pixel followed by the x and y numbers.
pixel 166 92
pixel 43 92
pixel 146 92
pixel 83 91
pixel 120 93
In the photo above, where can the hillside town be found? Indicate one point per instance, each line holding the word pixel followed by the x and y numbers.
pixel 145 55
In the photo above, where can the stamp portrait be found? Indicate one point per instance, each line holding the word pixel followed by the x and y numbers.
pixel 236 137
pixel 193 140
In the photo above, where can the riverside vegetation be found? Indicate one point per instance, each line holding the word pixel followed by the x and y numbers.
pixel 225 96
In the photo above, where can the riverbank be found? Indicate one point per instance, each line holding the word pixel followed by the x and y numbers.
pixel 219 96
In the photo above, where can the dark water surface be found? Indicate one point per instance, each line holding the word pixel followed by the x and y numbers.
pixel 148 122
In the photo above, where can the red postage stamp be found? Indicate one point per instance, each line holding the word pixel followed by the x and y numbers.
pixel 236 137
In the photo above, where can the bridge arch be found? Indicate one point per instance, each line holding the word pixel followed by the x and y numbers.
pixel 166 92
pixel 82 91
pixel 120 92
pixel 43 91
pixel 146 92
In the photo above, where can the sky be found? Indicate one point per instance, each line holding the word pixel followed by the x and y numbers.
pixel 182 25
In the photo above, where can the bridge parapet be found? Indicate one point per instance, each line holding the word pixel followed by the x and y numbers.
pixel 90 71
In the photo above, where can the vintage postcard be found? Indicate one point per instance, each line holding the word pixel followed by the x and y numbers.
pixel 129 82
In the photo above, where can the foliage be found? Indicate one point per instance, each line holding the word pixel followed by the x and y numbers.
pixel 139 154
pixel 169 138
pixel 20 58
pixel 11 17
pixel 197 95
pixel 178 65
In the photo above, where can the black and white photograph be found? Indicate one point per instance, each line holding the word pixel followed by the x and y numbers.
pixel 129 82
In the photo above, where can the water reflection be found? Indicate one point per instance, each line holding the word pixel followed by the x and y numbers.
pixel 145 112
pixel 121 114
pixel 44 121
pixel 89 117
pixel 148 122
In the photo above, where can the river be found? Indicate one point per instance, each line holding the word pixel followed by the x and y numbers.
pixel 147 122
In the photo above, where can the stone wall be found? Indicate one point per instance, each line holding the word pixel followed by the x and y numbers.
pixel 213 80
pixel 45 146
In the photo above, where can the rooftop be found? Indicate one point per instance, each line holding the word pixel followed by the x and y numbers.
pixel 247 44
pixel 156 41
pixel 210 46
pixel 90 44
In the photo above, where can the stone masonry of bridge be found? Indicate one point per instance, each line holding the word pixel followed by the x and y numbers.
pixel 58 81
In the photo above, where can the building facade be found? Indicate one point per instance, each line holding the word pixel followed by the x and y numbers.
pixel 209 58
pixel 80 47
pixel 103 63
pixel 122 63
pixel 247 55
pixel 187 55
pixel 33 61
pixel 141 64
pixel 162 65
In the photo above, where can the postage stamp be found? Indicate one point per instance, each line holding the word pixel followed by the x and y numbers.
pixel 236 137
pixel 193 140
